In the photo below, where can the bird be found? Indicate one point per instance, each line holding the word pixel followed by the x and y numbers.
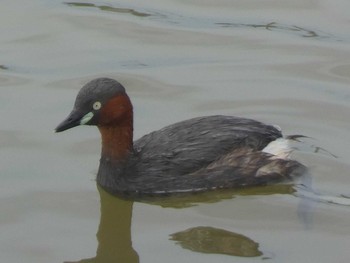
pixel 191 156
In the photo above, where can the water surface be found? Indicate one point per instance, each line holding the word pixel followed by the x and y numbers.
pixel 281 62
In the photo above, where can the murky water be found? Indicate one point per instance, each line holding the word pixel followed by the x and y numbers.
pixel 283 62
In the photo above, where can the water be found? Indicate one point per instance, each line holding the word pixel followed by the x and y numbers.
pixel 280 62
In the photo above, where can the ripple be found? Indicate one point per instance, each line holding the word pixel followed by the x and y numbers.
pixel 109 8
pixel 138 85
pixel 274 26
pixel 181 20
pixel 342 71
pixel 9 80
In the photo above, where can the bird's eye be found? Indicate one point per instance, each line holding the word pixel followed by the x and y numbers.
pixel 96 105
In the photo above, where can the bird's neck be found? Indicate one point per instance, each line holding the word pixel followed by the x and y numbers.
pixel 117 141
pixel 117 148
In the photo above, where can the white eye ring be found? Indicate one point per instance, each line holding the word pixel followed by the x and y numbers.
pixel 97 105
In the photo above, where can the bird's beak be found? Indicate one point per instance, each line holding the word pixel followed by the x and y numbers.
pixel 75 118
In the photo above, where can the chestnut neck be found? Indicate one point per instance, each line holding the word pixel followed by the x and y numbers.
pixel 117 142
pixel 117 135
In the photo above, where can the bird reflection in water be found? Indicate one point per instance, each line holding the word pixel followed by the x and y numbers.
pixel 114 233
pixel 216 241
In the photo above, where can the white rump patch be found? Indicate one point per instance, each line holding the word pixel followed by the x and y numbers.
pixel 277 127
pixel 281 148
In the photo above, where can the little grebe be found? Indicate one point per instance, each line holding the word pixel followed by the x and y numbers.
pixel 204 153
